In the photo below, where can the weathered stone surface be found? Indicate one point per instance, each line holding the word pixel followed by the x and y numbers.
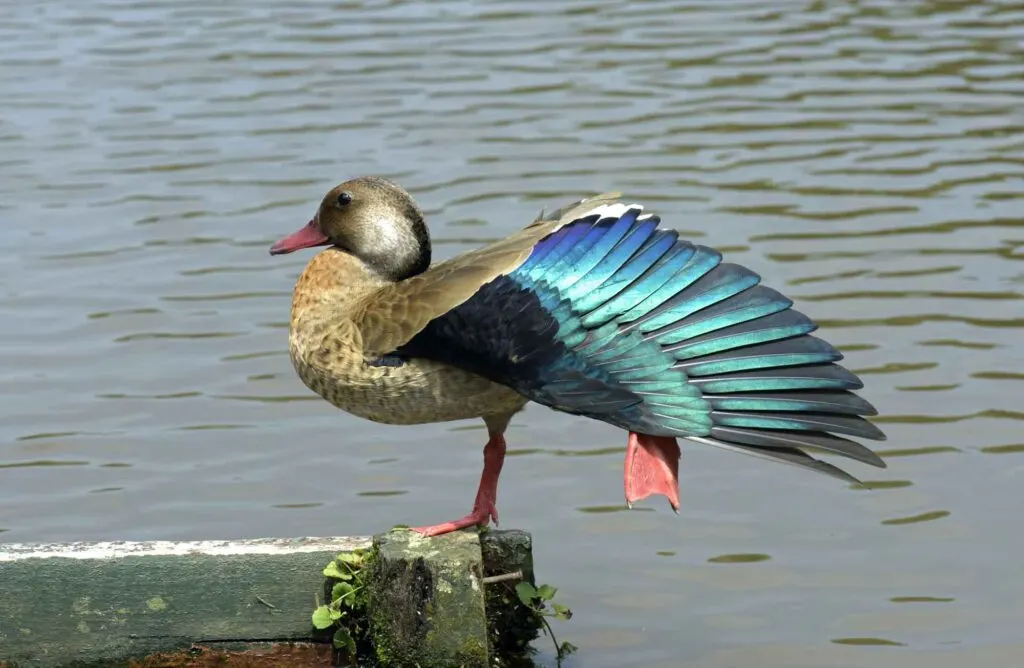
pixel 511 625
pixel 106 602
pixel 91 604
pixel 427 601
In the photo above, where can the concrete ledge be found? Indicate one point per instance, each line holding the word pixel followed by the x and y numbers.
pixel 107 602
pixel 101 604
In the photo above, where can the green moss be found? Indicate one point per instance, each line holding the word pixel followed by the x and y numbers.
pixel 156 604
pixel 382 648
pixel 453 622
pixel 473 652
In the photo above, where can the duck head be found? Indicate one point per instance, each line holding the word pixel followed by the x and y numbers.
pixel 374 220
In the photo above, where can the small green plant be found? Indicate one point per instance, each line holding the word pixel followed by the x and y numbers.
pixel 539 600
pixel 346 610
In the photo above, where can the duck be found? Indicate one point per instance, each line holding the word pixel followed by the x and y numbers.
pixel 595 310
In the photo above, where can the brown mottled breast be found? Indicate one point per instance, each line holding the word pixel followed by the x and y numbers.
pixel 327 350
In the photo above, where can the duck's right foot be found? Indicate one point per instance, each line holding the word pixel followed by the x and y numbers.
pixel 480 517
pixel 484 507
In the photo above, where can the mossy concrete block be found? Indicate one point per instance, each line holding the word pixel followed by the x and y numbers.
pixel 100 603
pixel 426 603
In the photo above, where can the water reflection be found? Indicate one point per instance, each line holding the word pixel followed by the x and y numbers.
pixel 915 519
pixel 738 558
pixel 873 642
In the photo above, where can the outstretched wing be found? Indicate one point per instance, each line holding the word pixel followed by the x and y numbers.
pixel 610 317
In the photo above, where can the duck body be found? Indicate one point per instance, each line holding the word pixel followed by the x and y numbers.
pixel 594 311
pixel 329 355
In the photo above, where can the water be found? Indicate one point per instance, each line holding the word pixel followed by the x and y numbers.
pixel 864 157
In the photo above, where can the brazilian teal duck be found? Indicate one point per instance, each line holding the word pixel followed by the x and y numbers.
pixel 593 310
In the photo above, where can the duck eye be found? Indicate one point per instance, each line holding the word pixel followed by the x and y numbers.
pixel 344 198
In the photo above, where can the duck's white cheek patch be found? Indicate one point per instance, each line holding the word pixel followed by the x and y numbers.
pixel 387 233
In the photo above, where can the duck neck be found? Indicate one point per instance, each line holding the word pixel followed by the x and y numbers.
pixel 332 282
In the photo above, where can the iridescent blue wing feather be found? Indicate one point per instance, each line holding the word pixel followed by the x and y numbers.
pixel 613 318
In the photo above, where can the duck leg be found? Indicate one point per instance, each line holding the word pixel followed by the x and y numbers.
pixel 484 508
pixel 652 467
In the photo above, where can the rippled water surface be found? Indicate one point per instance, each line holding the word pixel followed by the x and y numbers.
pixel 864 157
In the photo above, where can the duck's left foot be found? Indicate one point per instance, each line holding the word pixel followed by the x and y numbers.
pixel 484 507
pixel 652 467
